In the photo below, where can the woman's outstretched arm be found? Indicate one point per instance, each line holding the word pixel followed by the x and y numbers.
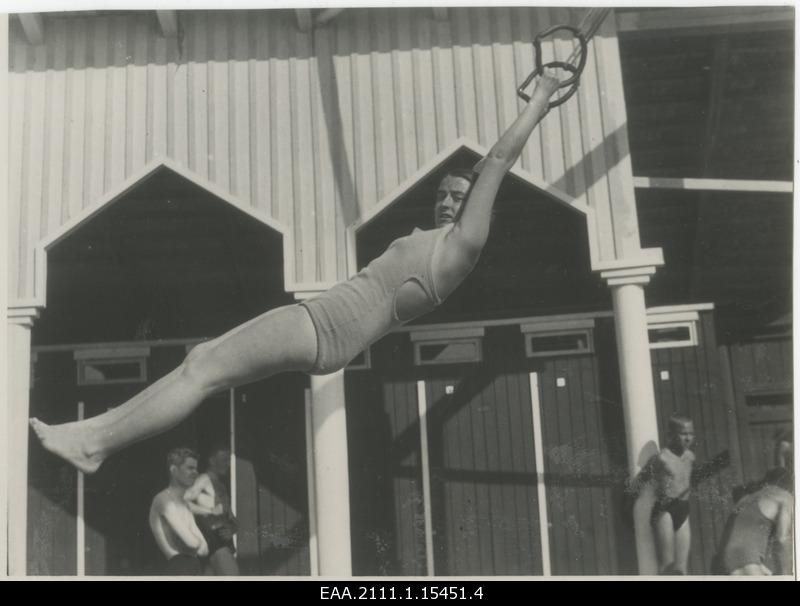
pixel 468 236
pixel 473 226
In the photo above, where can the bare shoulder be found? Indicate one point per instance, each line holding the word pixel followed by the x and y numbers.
pixel 160 501
pixel 203 480
pixel 785 498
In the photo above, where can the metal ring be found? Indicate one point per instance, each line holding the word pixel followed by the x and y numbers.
pixel 576 70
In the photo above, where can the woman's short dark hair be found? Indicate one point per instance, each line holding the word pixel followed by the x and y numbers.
pixel 462 173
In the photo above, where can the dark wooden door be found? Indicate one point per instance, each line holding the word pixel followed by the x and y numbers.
pixel 762 376
pixel 483 475
pixel 386 493
pixel 578 426
pixel 271 477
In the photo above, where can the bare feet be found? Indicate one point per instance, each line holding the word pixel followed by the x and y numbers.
pixel 68 441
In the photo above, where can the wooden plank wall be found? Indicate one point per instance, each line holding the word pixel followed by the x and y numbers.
pixel 695 388
pixel 484 496
pixel 312 129
pixel 760 367
pixel 386 494
pixel 272 493
pixel 52 492
pixel 580 474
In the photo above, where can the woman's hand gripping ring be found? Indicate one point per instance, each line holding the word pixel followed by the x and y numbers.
pixel 575 70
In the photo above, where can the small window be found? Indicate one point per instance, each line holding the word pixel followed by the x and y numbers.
pixel 106 366
pixel 677 334
pixel 452 351
pixel 769 400
pixel 558 343
pixel 362 361
pixel 456 345
pixel 101 372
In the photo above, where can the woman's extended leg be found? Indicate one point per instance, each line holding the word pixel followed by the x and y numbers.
pixel 280 340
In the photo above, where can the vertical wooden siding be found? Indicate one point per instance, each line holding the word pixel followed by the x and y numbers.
pixel 272 493
pixel 387 514
pixel 761 368
pixel 52 492
pixel 579 472
pixel 484 498
pixel 312 129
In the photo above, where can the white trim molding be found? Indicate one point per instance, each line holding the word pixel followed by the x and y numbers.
pixel 443 334
pixel 42 247
pixel 675 317
pixel 689 341
pixel 23 315
pixel 565 328
pixel 699 20
pixel 729 185
pixel 112 353
pixel 550 324
pixel 435 164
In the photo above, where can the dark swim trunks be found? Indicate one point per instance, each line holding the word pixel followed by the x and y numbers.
pixel 218 532
pixel 183 565
pixel 678 510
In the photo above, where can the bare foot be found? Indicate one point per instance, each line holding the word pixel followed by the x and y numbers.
pixel 67 441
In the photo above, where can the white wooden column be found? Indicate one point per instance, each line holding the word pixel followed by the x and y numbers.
pixel 331 475
pixel 638 395
pixel 18 365
pixel 3 284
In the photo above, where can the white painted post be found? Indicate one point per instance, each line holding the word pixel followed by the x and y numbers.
pixel 18 407
pixel 422 410
pixel 313 547
pixel 638 395
pixel 232 443
pixel 80 518
pixel 331 474
pixel 4 365
pixel 541 489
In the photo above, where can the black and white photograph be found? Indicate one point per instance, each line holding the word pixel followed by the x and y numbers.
pixel 402 297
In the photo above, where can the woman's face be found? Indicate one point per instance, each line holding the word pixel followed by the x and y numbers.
pixel 450 196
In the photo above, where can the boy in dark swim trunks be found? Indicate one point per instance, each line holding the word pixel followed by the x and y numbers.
pixel 671 473
pixel 209 502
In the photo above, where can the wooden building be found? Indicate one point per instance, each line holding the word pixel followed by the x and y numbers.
pixel 171 175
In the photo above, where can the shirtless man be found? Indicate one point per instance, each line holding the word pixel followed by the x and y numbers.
pixel 172 522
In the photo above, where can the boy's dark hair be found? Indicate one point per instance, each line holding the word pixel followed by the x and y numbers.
pixel 678 421
pixel 215 448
